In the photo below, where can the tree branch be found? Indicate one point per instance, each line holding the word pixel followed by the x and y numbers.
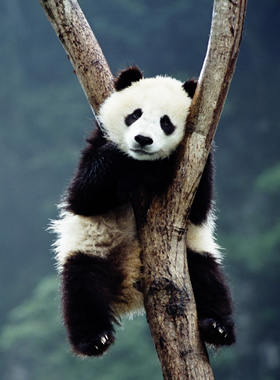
pixel 169 300
pixel 82 48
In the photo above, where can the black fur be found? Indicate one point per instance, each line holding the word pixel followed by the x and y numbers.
pixel 106 178
pixel 127 77
pixel 131 118
pixel 203 198
pixel 190 87
pixel 213 300
pixel 166 125
pixel 89 286
pixel 94 187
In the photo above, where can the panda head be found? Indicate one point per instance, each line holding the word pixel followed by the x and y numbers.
pixel 145 117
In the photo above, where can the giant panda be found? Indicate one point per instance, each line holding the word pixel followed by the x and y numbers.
pixel 98 254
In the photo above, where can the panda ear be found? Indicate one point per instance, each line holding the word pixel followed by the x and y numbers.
pixel 190 87
pixel 127 77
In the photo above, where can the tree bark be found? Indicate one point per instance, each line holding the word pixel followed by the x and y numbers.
pixel 82 48
pixel 168 295
pixel 169 301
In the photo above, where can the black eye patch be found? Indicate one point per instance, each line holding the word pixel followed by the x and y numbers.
pixel 166 125
pixel 131 118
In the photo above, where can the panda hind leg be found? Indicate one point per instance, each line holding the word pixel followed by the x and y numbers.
pixel 90 286
pixel 213 299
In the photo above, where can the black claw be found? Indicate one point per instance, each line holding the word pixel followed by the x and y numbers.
pixel 219 333
pixel 95 346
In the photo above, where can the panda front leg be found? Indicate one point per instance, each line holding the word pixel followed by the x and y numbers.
pixel 90 286
pixel 213 300
pixel 212 295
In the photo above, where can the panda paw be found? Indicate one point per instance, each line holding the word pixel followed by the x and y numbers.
pixel 95 346
pixel 218 333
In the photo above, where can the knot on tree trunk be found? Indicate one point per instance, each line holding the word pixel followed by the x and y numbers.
pixel 176 298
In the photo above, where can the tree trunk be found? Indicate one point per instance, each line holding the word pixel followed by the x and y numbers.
pixel 169 301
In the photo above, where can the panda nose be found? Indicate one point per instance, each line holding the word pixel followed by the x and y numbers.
pixel 143 140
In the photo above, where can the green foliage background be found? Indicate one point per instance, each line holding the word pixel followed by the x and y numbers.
pixel 44 119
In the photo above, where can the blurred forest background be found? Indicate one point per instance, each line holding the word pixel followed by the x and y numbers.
pixel 44 120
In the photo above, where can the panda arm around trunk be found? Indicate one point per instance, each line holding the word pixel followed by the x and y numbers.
pixel 203 200
pixel 93 189
pixel 212 295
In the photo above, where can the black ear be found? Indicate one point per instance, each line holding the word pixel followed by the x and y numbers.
pixel 126 77
pixel 190 87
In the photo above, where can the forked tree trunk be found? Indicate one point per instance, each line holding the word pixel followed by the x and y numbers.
pixel 169 301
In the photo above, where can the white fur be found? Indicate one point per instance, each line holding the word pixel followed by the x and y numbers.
pixel 96 235
pixel 201 239
pixel 156 97
pixel 100 235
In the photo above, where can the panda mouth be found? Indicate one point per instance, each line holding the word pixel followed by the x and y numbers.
pixel 141 151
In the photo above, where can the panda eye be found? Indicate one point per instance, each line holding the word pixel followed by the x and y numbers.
pixel 131 118
pixel 166 125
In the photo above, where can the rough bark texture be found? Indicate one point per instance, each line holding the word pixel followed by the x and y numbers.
pixel 169 301
pixel 82 48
